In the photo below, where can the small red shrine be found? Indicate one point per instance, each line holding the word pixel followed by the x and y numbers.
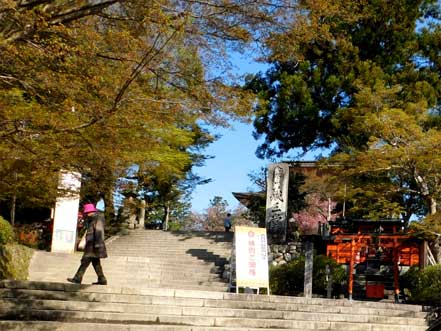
pixel 366 246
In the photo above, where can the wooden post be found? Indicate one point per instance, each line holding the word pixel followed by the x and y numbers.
pixel 329 280
pixel 396 271
pixel 351 270
pixel 309 258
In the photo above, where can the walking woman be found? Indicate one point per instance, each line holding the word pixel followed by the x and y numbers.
pixel 95 249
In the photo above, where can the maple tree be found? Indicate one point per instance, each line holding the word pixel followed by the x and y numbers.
pixel 397 173
pixel 98 86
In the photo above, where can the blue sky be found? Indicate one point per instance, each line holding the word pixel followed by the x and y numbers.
pixel 233 154
pixel 234 158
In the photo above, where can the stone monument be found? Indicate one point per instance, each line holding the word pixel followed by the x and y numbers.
pixel 277 202
pixel 141 214
pixel 66 212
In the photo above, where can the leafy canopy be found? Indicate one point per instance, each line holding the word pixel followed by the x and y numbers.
pixel 327 54
pixel 97 86
pixel 361 79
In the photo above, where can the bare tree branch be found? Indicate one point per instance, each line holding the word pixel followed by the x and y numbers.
pixel 31 4
pixel 76 13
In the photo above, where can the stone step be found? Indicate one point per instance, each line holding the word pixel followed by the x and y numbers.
pixel 218 235
pixel 143 284
pixel 127 276
pixel 52 259
pixel 110 263
pixel 121 258
pixel 83 326
pixel 200 321
pixel 207 297
pixel 187 251
pixel 190 251
pixel 168 272
pixel 180 270
pixel 170 281
pixel 148 280
pixel 147 258
pixel 207 303
pixel 183 259
pixel 115 305
pixel 149 237
pixel 8 305
pixel 169 244
pixel 167 256
pixel 132 268
pixel 150 240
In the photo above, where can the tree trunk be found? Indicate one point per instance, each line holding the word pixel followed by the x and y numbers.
pixel 425 192
pixel 328 217
pixel 14 200
pixel 109 213
pixel 13 204
pixel 166 216
pixel 432 206
pixel 435 245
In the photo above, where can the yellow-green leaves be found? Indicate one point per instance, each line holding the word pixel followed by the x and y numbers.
pixel 99 86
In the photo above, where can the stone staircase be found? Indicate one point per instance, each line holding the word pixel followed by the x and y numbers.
pixel 170 281
pixel 68 307
pixel 148 258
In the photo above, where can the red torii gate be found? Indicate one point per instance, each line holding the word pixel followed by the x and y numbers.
pixel 366 240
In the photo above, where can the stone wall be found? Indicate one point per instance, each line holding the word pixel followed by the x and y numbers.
pixel 281 254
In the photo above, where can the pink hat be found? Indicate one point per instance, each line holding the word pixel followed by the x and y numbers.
pixel 89 208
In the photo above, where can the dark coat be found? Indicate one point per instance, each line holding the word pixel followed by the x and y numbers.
pixel 95 246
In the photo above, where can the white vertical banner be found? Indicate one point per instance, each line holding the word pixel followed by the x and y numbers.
pixel 66 213
pixel 251 257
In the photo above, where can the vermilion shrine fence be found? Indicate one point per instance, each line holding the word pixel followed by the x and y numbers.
pixel 374 244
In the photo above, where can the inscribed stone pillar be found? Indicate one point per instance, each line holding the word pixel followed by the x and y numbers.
pixel 66 212
pixel 130 212
pixel 309 259
pixel 141 215
pixel 277 202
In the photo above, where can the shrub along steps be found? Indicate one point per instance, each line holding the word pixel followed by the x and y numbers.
pixel 148 258
pixel 60 306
